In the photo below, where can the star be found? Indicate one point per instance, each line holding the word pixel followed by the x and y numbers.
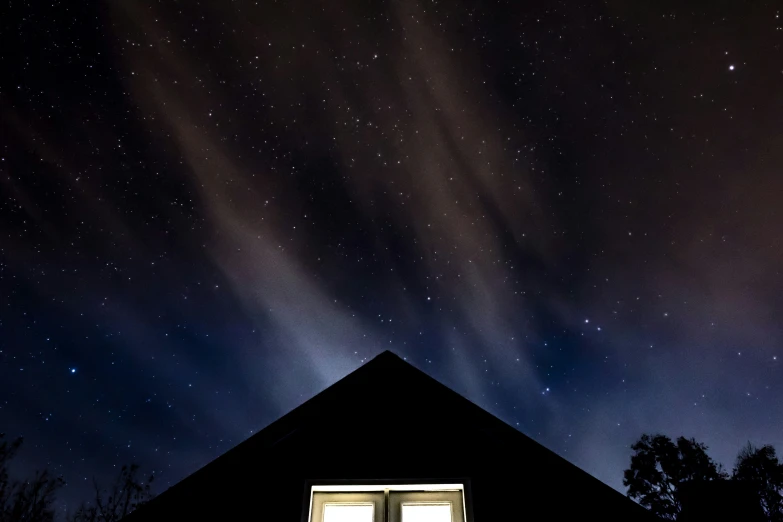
pixel 514 208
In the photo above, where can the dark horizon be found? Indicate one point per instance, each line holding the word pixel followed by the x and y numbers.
pixel 209 213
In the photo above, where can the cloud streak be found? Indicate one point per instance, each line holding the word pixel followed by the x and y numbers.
pixel 421 152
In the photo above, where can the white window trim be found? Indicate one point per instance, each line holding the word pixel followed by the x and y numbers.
pixel 388 503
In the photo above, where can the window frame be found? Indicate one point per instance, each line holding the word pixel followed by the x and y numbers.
pixel 399 498
pixel 320 499
pixel 390 494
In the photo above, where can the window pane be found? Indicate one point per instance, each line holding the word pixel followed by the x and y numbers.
pixel 426 513
pixel 348 512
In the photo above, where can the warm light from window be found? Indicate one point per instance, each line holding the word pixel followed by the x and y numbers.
pixel 349 512
pixel 426 512
pixel 390 487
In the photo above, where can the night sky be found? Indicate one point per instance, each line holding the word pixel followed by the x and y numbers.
pixel 210 211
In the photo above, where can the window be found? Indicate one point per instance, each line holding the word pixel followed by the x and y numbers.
pixel 387 503
pixel 426 512
pixel 338 512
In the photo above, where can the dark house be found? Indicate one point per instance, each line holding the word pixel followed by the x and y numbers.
pixel 389 443
pixel 719 500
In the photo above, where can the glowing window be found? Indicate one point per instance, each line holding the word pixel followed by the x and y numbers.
pixel 348 512
pixel 426 512
pixel 387 503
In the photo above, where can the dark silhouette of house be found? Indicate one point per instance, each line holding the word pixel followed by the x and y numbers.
pixel 719 500
pixel 388 433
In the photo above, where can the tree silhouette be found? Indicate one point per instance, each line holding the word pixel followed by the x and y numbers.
pixel 761 468
pixel 658 468
pixel 25 500
pixel 128 493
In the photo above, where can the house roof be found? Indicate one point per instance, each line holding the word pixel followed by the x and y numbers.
pixel 388 376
